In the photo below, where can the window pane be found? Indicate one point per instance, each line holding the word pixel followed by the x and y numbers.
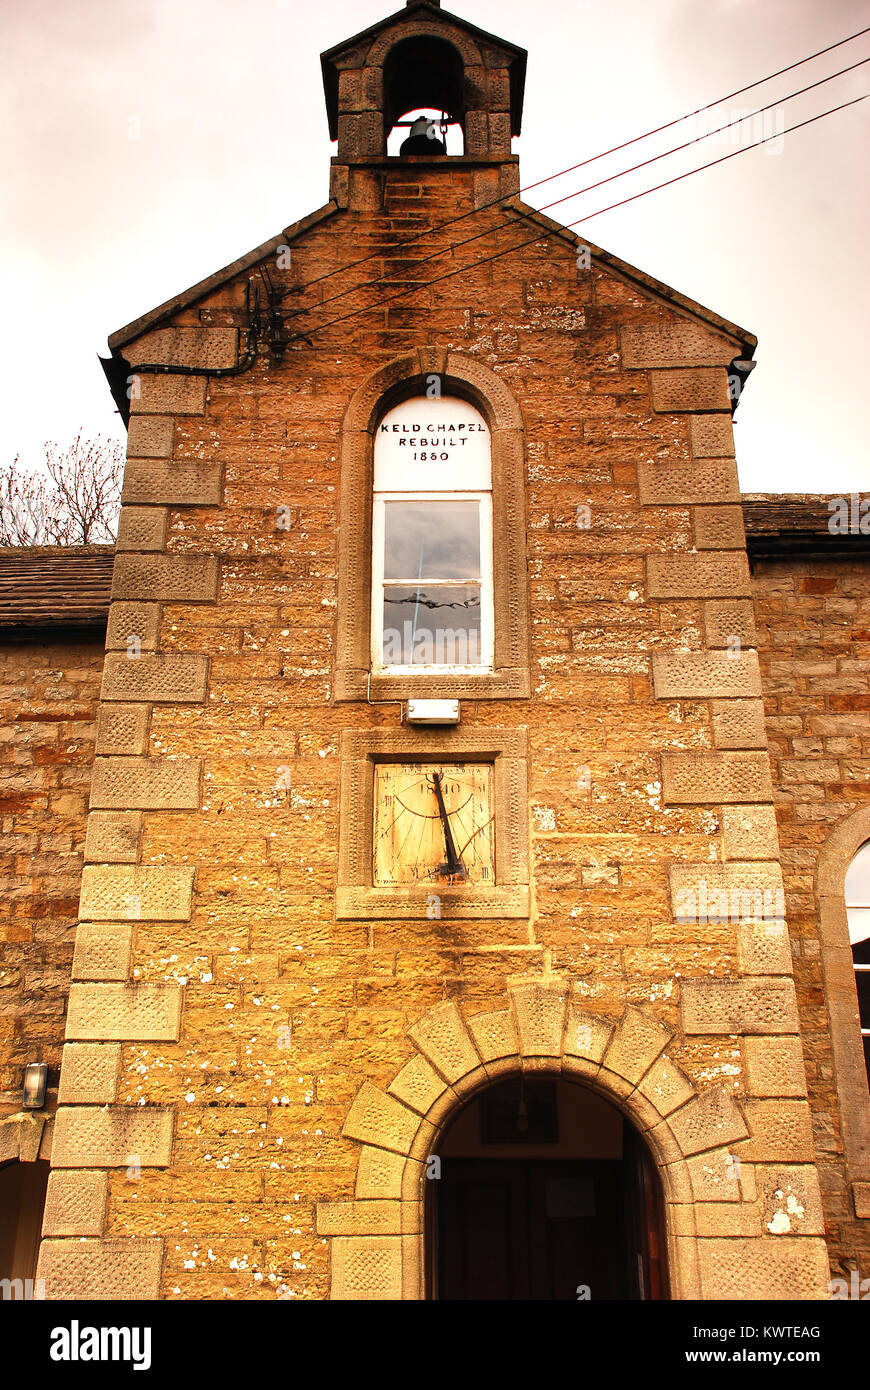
pixel 431 624
pixel 432 540
pixel 858 879
pixel 859 923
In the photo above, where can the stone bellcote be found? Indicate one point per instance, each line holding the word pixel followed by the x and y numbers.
pixel 423 58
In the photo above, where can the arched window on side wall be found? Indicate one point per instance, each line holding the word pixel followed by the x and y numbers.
pixel 858 914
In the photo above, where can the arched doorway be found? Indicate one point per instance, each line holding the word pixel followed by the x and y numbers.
pixel 545 1191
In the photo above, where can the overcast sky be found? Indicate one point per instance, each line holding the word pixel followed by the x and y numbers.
pixel 147 143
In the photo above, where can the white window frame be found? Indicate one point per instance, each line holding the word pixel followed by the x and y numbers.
pixel 487 624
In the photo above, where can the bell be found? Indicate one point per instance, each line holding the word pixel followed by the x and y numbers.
pixel 423 139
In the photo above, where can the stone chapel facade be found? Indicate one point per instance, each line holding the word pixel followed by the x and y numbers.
pixel 602 986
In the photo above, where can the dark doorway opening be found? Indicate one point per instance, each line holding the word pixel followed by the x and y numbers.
pixel 545 1192
pixel 22 1202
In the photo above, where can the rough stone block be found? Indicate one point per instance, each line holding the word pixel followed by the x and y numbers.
pixel 636 1043
pixel 103 952
pixel 794 1267
pixel 101 1269
pixel 186 347
pixel 153 394
pixel 172 484
pixel 75 1202
pixel 539 1008
pixel 728 619
pixel 707 1122
pixel 112 1136
pixel 739 1006
pixel 148 784
pixel 146 892
pixel 113 837
pixel 781 1132
pixel 739 723
pixel 122 729
pixel 175 680
pixel 712 436
pixel 701 779
pixel 366 1268
pixel 89 1073
pixel 176 578
pixel 690 389
pixel 719 528
pixel 707 574
pixel 700 675
pixel 764 948
pixel 749 832
pixel 673 343
pixel 711 480
pixel 150 436
pixel 133 627
pixel 142 528
pixel 379 1119
pixel 146 1012
pixel 442 1037
pixel 774 1067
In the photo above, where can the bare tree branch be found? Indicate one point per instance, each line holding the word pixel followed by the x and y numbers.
pixel 74 501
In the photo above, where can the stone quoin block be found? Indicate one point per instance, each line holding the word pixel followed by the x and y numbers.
pixel 699 779
pixel 710 574
pixel 179 578
pixel 418 1086
pixel 122 729
pixel 374 1218
pixel 146 892
pixel 113 837
pixel 793 1267
pixel 142 528
pixel 666 1086
pixel 112 1136
pixel 702 675
pixel 75 1202
pixel 161 394
pixel 673 343
pixel 379 1173
pixel 442 1037
pixel 717 1176
pixel 133 627
pixel 143 1012
pixel 774 1067
pixel 739 1006
pixel 781 1131
pixel 171 484
pixel 739 723
pixel 186 347
pixel 749 832
pixel 764 948
pixel 175 680
pixel 713 480
pixel 147 784
pixel 376 1118
pixel 366 1268
pixel 791 1202
pixel 101 1269
pixel 150 436
pixel 89 1073
pixel 494 1035
pixel 719 528
pixel 711 436
pixel 586 1036
pixel 729 623
pixel 690 389
pixel 103 952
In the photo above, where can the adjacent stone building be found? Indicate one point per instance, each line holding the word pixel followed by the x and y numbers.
pixel 475 773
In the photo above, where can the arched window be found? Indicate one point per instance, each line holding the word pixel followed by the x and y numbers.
pixel 858 915
pixel 432 592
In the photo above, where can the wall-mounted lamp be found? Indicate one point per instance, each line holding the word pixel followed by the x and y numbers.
pixel 35 1081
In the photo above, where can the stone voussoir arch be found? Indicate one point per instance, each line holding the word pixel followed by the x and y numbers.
pixel 377 1238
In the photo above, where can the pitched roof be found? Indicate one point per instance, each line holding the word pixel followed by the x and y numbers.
pixel 55 586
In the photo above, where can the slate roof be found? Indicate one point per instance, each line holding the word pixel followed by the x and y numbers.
pixel 55 586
